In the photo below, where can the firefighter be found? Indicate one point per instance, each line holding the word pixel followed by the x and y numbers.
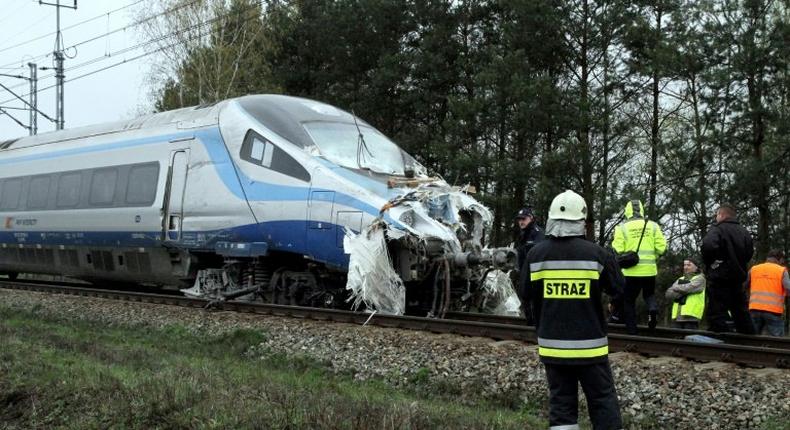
pixel 563 278
pixel 644 237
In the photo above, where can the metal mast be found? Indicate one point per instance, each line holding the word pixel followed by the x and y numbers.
pixel 58 55
pixel 33 98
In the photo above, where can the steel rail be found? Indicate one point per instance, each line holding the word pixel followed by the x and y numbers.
pixel 660 332
pixel 744 355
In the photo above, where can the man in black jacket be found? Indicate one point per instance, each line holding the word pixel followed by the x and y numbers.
pixel 726 251
pixel 529 233
pixel 563 279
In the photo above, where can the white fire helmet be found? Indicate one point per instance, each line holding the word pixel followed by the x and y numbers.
pixel 569 206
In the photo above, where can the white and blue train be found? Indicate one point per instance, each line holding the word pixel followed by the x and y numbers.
pixel 257 191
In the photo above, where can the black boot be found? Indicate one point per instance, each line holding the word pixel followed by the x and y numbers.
pixel 652 320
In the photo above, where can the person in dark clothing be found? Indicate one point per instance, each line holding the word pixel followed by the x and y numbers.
pixel 726 251
pixel 563 279
pixel 529 234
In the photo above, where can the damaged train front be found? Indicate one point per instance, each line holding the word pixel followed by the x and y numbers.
pixel 426 254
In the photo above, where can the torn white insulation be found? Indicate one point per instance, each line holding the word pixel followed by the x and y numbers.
pixel 371 278
pixel 499 296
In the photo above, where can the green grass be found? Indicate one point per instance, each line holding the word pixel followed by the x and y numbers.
pixel 57 373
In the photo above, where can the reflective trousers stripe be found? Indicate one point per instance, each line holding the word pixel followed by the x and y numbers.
pixel 573 353
pixel 564 274
pixel 573 344
pixel 565 264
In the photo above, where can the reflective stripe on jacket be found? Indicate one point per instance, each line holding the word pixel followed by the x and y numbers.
pixel 694 305
pixel 626 238
pixel 565 278
pixel 767 293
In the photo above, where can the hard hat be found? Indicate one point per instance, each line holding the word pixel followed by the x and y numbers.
pixel 568 205
pixel 525 212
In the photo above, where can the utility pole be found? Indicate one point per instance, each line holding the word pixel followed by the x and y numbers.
pixel 58 54
pixel 33 98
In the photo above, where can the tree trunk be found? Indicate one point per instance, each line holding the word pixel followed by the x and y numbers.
pixel 655 137
pixel 583 133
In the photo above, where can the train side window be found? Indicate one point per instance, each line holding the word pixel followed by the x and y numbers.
pixel 69 190
pixel 12 190
pixel 141 187
pixel 102 192
pixel 259 151
pixel 38 193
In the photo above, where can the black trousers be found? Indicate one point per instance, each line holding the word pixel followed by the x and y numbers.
pixel 598 386
pixel 686 325
pixel 724 297
pixel 633 286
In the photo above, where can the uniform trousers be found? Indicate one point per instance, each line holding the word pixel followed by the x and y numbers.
pixel 728 299
pixel 598 386
pixel 633 286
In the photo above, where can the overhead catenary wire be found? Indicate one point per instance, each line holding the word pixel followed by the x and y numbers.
pixel 97 59
pixel 146 43
pixel 15 11
pixel 145 54
pixel 71 26
pixel 100 36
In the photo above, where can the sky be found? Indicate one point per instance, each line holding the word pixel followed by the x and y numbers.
pixel 116 93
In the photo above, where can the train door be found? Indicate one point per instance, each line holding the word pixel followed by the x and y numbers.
pixel 320 229
pixel 174 197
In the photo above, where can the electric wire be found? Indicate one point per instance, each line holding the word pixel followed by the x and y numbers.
pixel 101 36
pixel 71 26
pixel 145 54
pixel 15 11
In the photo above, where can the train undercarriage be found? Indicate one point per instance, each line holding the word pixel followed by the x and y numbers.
pixel 434 262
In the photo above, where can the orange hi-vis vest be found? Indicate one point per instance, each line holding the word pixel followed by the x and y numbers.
pixel 767 291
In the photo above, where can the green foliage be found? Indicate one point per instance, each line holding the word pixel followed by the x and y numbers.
pixel 57 373
pixel 681 103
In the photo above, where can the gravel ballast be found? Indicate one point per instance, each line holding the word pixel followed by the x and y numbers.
pixel 654 393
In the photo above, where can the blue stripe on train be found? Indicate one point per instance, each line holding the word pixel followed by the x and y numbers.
pixel 287 236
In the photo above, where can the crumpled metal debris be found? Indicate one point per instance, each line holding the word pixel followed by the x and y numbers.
pixel 432 210
pixel 371 278
pixel 499 296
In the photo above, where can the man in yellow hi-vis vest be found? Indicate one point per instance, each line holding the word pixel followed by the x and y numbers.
pixel 644 237
pixel 687 295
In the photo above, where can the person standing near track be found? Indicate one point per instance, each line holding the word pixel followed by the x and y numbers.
pixel 645 238
pixel 769 283
pixel 529 234
pixel 726 250
pixel 563 280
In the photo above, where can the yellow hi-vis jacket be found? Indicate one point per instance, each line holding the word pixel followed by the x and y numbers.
pixel 694 305
pixel 626 238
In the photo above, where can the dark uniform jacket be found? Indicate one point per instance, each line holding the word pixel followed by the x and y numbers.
pixel 563 279
pixel 527 238
pixel 726 251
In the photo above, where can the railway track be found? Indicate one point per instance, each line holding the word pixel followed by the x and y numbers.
pixel 659 332
pixel 752 355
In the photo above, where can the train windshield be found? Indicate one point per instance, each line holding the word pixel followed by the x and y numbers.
pixel 342 144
